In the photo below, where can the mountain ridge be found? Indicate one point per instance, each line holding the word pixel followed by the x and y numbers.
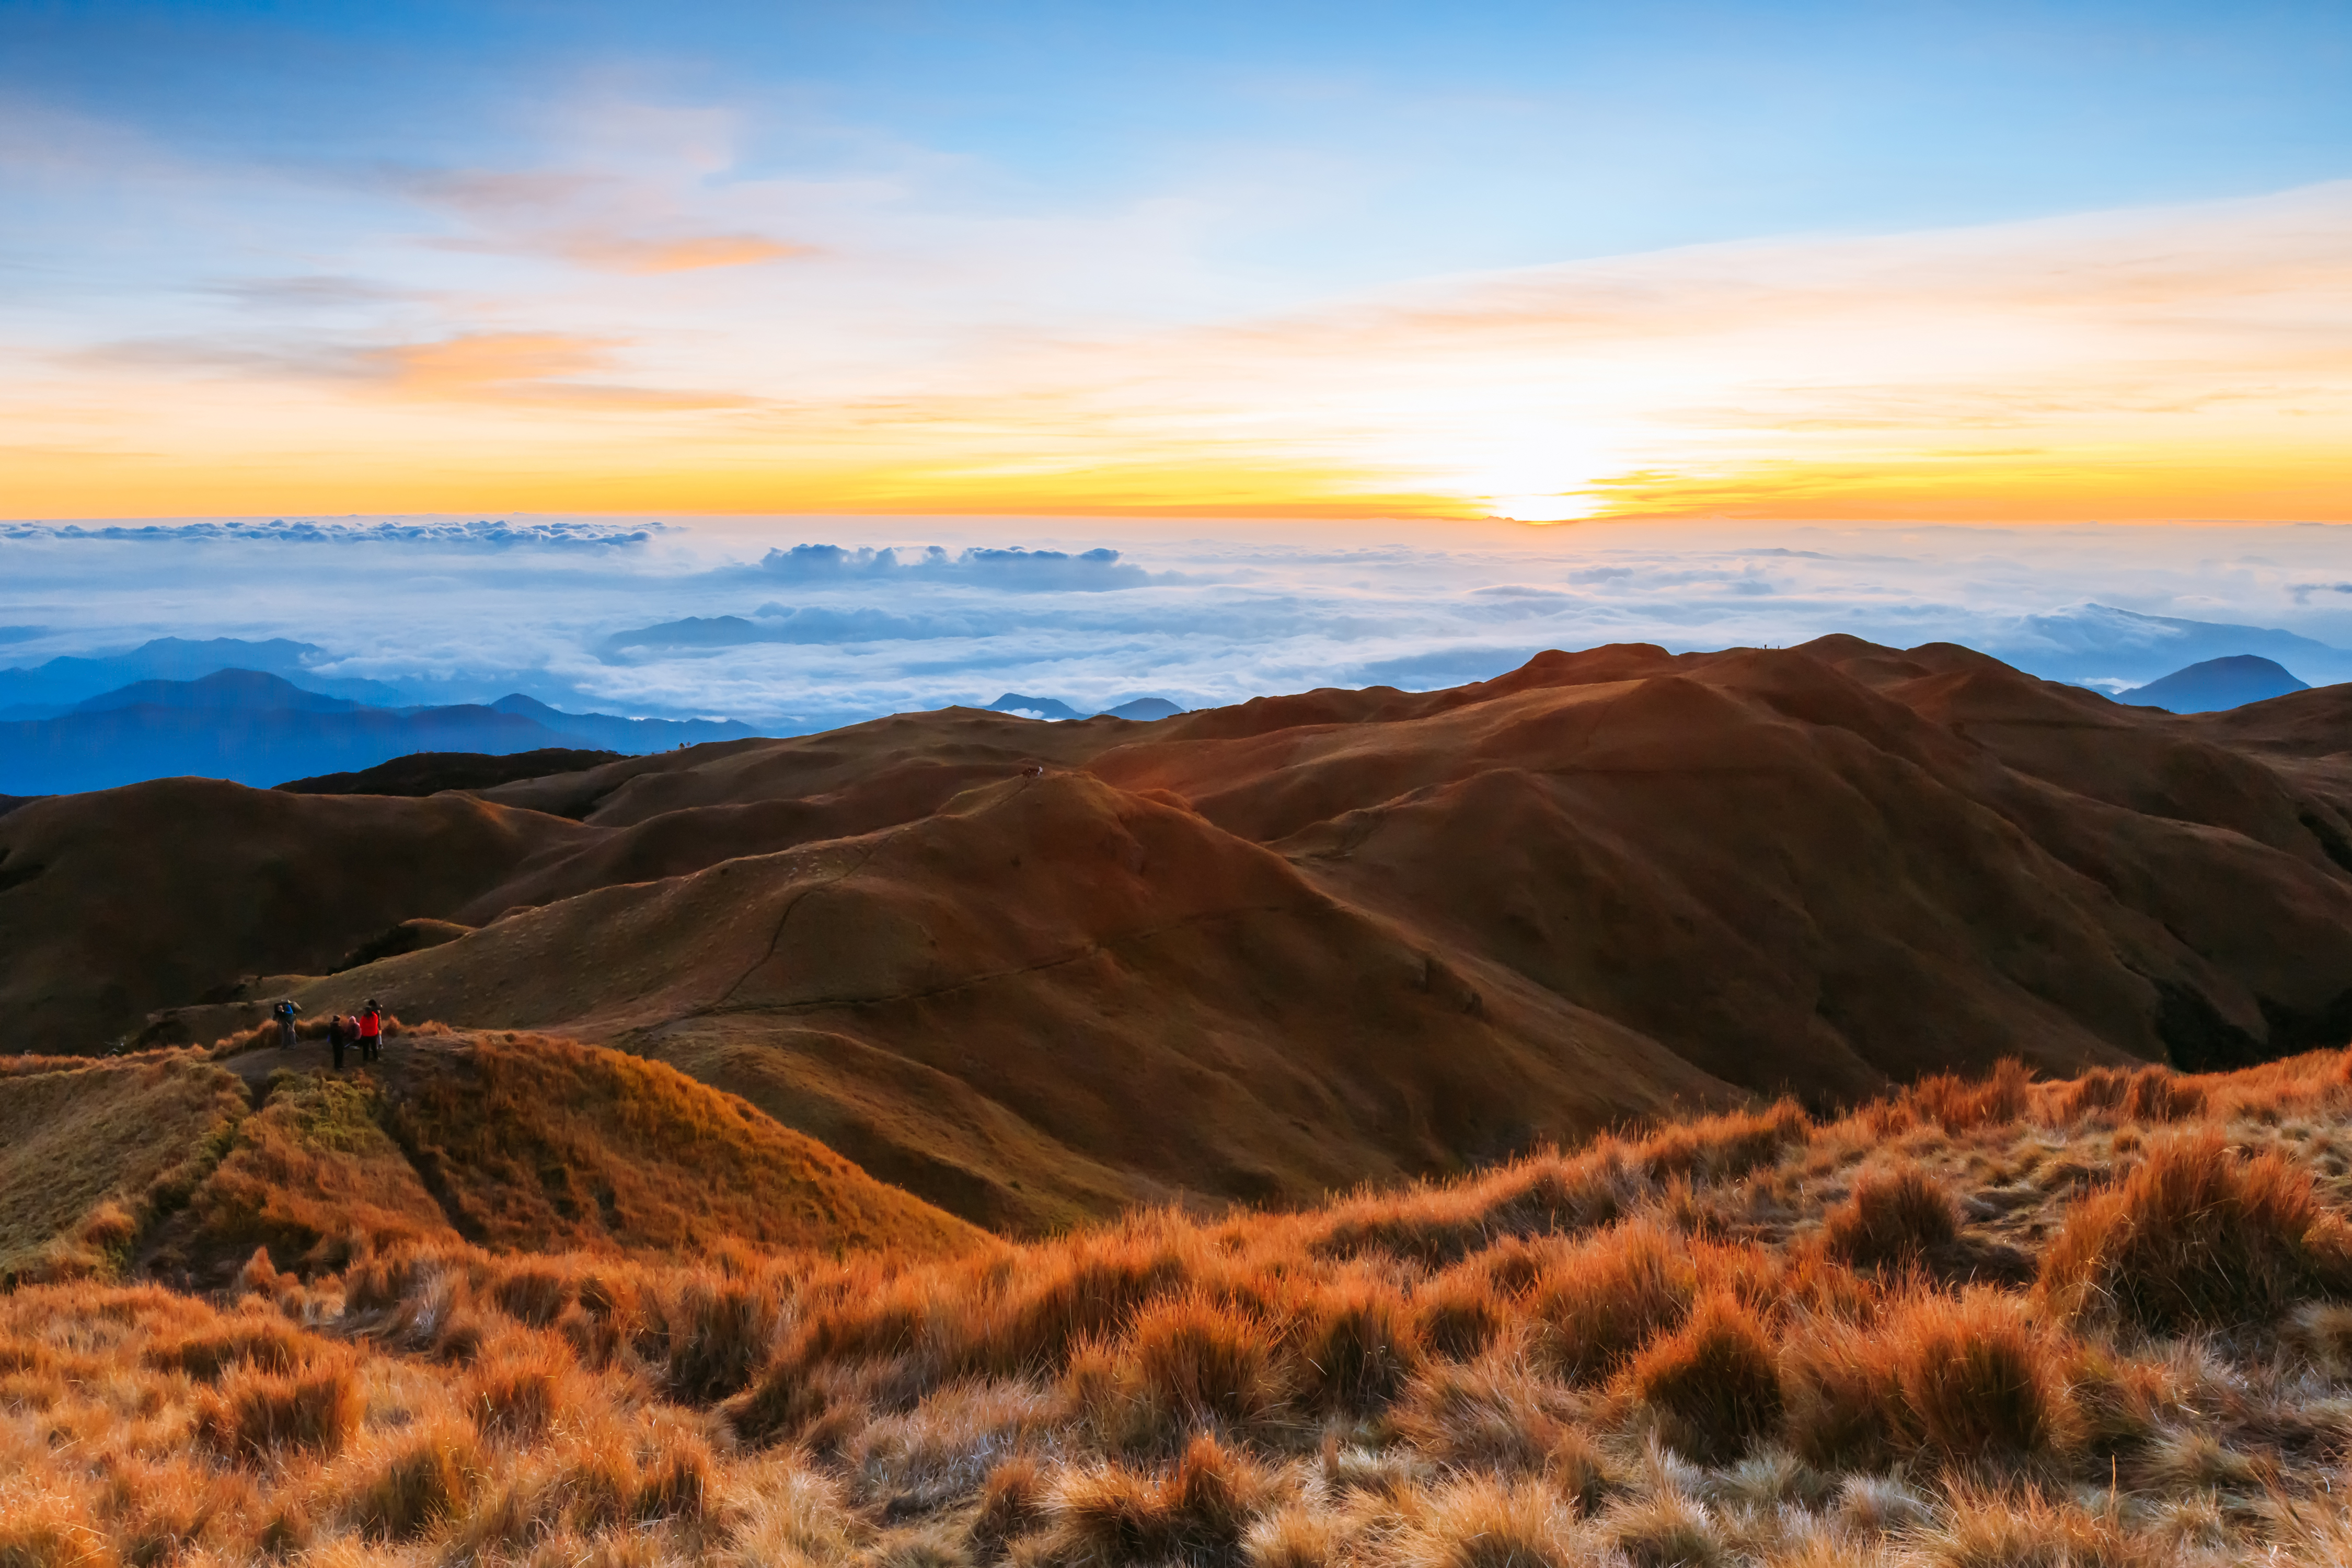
pixel 1037 970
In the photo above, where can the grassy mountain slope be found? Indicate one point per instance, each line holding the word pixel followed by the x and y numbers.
pixel 2081 1323
pixel 164 1166
pixel 117 903
pixel 90 1152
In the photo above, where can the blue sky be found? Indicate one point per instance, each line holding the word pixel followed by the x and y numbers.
pixel 1383 140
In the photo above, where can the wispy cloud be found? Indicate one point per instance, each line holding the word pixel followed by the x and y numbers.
pixel 629 225
pixel 541 368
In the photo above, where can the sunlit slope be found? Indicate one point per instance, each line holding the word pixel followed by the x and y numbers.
pixel 165 1166
pixel 537 1143
pixel 88 1153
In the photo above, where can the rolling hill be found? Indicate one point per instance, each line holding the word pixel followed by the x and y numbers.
pixel 1031 972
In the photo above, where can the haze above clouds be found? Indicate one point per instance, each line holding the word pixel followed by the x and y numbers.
pixel 802 623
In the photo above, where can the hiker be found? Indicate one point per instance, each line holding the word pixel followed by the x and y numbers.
pixel 284 1010
pixel 371 1023
pixel 339 1034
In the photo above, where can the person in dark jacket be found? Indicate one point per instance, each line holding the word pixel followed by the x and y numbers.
pixel 284 1010
pixel 339 1035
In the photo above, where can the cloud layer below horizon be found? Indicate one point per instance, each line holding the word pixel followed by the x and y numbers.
pixel 806 623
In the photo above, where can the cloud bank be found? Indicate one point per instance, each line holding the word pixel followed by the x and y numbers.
pixel 829 624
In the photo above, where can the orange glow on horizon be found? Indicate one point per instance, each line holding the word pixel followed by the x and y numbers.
pixel 2170 365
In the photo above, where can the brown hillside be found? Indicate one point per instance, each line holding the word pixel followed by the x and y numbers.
pixel 123 900
pixel 1101 958
pixel 525 1143
pixel 1034 970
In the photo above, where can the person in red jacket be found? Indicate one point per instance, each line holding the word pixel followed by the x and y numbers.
pixel 371 1024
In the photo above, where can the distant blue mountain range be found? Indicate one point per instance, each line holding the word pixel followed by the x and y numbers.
pixel 259 728
pixel 2216 684
pixel 1141 708
pixel 46 690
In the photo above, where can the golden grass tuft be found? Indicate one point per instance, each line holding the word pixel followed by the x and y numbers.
pixel 1199 1511
pixel 1713 1385
pixel 1602 1301
pixel 2200 1235
pixel 1479 1521
pixel 1359 1346
pixel 1191 1363
pixel 421 1480
pixel 262 1415
pixel 1895 1217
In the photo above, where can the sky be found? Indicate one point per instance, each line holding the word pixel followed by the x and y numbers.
pixel 1884 264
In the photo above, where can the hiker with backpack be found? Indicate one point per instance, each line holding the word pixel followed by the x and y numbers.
pixel 371 1024
pixel 284 1010
pixel 339 1034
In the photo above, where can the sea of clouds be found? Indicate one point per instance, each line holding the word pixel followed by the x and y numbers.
pixel 803 623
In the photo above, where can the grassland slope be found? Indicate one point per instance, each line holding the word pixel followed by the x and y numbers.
pixel 91 1151
pixel 1989 1323
pixel 122 901
pixel 176 1167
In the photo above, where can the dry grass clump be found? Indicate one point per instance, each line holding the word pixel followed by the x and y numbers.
pixel 421 1479
pixel 1357 1346
pixel 1748 1338
pixel 1479 1521
pixel 1197 1511
pixel 1969 1376
pixel 1897 1215
pixel 1957 1104
pixel 2148 1094
pixel 262 1415
pixel 1600 1303
pixel 1496 1413
pixel 2200 1235
pixel 1713 1385
pixel 1193 1362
